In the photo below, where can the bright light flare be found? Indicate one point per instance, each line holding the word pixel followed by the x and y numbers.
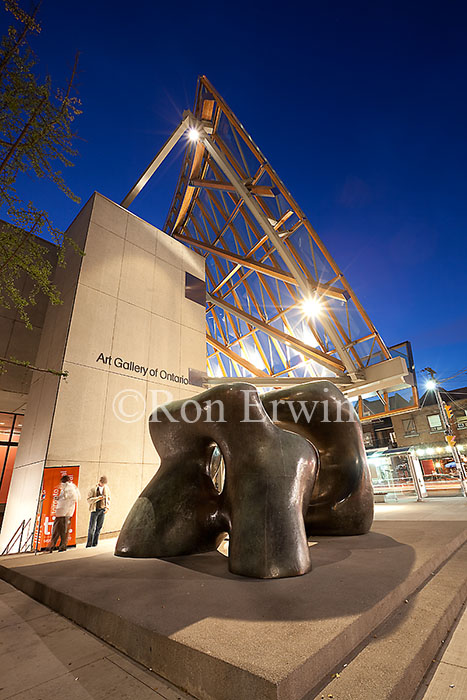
pixel 193 134
pixel 312 307
pixel 431 384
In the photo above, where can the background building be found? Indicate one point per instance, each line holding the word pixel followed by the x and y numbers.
pixel 392 443
pixel 422 430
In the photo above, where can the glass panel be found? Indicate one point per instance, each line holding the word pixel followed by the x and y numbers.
pixel 372 406
pixel 3 451
pixel 17 428
pixel 441 477
pixel 6 422
pixel 7 472
pixel 403 398
pixel 391 477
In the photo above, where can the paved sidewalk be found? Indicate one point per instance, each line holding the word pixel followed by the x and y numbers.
pixel 44 656
pixel 445 508
pixel 448 677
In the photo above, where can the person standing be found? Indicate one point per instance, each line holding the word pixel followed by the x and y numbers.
pixel 99 503
pixel 66 502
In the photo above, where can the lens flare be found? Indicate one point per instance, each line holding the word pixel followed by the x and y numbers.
pixel 193 134
pixel 312 307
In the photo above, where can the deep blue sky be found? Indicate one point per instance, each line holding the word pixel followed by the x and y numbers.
pixel 359 106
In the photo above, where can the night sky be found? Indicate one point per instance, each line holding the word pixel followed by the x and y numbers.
pixel 359 106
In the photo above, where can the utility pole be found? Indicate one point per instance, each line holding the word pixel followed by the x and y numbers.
pixel 432 384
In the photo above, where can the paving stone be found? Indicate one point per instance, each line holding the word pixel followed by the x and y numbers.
pixel 15 608
pixel 104 679
pixel 84 687
pixel 25 661
pixel 47 624
pixel 5 588
pixel 448 683
pixel 63 687
pixel 42 652
pixel 456 652
pixel 48 657
pixel 72 646
pixel 163 687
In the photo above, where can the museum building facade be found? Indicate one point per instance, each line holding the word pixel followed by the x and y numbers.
pixel 129 335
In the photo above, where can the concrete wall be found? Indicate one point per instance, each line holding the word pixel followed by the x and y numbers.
pixel 124 300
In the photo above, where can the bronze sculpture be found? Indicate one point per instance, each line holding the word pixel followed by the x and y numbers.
pixel 342 499
pixel 294 462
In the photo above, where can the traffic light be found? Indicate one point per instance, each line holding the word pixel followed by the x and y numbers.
pixel 451 440
pixel 449 412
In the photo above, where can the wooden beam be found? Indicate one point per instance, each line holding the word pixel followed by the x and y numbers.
pixel 236 358
pixel 320 357
pixel 260 190
pixel 239 259
pixel 206 113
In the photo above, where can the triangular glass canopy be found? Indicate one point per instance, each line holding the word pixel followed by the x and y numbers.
pixel 278 306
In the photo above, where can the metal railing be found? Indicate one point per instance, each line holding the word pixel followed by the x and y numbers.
pixel 23 536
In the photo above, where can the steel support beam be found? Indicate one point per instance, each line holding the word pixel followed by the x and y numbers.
pixel 250 263
pixel 154 164
pixel 278 382
pixel 389 375
pixel 227 187
pixel 236 358
pixel 264 223
pixel 320 357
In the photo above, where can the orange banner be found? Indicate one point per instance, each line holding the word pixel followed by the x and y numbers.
pixel 46 511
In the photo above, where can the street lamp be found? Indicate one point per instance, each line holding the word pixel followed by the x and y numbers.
pixel 432 385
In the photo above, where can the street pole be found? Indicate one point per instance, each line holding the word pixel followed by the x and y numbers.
pixel 448 433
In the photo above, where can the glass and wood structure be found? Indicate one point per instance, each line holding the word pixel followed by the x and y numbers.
pixel 278 308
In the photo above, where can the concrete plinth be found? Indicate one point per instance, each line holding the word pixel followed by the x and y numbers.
pixel 223 637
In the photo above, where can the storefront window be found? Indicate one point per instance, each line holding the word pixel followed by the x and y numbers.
pixel 7 471
pixel 10 431
pixel 391 476
pixel 6 424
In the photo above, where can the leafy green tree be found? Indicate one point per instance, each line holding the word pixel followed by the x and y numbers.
pixel 36 137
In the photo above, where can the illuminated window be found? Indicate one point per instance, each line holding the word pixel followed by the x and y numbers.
pixel 10 431
pixel 434 422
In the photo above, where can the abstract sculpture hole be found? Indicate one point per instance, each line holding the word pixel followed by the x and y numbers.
pixel 217 468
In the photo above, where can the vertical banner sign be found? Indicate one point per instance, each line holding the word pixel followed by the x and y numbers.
pixel 47 505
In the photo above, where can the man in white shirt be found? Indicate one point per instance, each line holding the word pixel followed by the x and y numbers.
pixel 99 503
pixel 66 502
